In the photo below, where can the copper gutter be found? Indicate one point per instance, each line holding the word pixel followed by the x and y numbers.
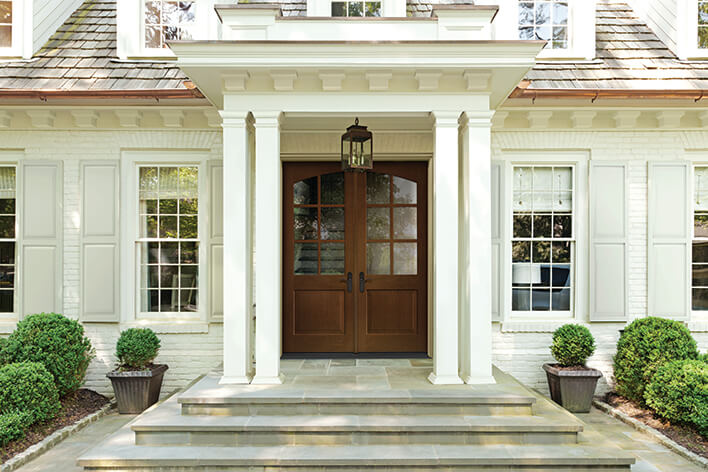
pixel 593 94
pixel 155 94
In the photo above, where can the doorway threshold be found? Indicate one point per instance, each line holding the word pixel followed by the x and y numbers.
pixel 351 355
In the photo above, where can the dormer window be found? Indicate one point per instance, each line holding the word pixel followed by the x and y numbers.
pixel 545 20
pixel 5 24
pixel 356 8
pixel 702 25
pixel 168 20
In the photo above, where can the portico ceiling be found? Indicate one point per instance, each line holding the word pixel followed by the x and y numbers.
pixel 280 70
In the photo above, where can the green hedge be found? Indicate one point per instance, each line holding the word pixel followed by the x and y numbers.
pixel 137 347
pixel 679 392
pixel 28 387
pixel 13 426
pixel 572 345
pixel 645 345
pixel 55 341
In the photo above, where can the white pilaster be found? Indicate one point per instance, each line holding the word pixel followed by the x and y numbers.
pixel 268 248
pixel 445 249
pixel 476 310
pixel 237 249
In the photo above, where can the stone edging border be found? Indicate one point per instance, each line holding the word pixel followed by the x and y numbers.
pixel 55 438
pixel 639 426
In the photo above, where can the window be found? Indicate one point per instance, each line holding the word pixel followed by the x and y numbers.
pixel 168 239
pixel 356 8
pixel 702 24
pixel 5 24
pixel 543 244
pixel 7 239
pixel 699 266
pixel 544 20
pixel 168 20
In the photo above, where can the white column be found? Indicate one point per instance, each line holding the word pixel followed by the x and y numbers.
pixel 237 249
pixel 476 312
pixel 268 248
pixel 445 249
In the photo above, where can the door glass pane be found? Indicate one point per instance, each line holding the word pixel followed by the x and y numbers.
pixel 377 188
pixel 305 258
pixel 332 189
pixel 332 258
pixel 305 223
pixel 405 258
pixel 404 190
pixel 305 192
pixel 377 223
pixel 405 224
pixel 378 257
pixel 332 223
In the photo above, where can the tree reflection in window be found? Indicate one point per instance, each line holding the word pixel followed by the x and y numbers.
pixel 545 20
pixel 356 8
pixel 167 20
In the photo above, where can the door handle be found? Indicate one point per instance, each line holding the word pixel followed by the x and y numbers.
pixel 349 282
pixel 362 282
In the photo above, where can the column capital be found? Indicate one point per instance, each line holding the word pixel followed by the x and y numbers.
pixel 478 119
pixel 267 118
pixel 233 118
pixel 446 119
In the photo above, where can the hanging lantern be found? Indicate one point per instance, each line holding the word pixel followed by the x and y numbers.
pixel 357 148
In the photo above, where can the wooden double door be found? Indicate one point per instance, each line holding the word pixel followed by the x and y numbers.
pixel 355 258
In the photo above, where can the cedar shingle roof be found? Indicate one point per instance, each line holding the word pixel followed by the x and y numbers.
pixel 81 55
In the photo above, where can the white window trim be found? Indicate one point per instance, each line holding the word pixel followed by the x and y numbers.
pixel 8 321
pixel 130 291
pixel 581 28
pixel 579 300
pixel 687 31
pixel 701 161
pixel 21 31
pixel 130 19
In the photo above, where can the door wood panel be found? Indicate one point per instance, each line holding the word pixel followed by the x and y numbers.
pixel 382 311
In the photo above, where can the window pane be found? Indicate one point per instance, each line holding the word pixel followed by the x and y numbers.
pixel 339 8
pixel 377 188
pixel 7 227
pixel 5 12
pixel 5 36
pixel 305 192
pixel 560 276
pixel 373 8
pixel 7 276
pixel 148 183
pixel 560 300
pixel 702 13
pixel 332 223
pixel 542 226
pixel 561 252
pixel 541 299
pixel 405 258
pixel 700 275
pixel 152 36
pixel 522 225
pixel 562 226
pixel 305 259
pixel 188 227
pixel 188 300
pixel 332 258
pixel 7 301
pixel 168 227
pixel 405 223
pixel 188 206
pixel 521 251
pixel 543 13
pixel 560 13
pixel 7 253
pixel 700 299
pixel 521 299
pixel 404 191
pixel 305 223
pixel 332 189
pixel 700 252
pixel 378 258
pixel 189 253
pixel 378 223
pixel 355 9
pixel 541 252
pixel 526 14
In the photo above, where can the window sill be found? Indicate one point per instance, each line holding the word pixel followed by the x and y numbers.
pixel 521 326
pixel 7 327
pixel 698 326
pixel 170 326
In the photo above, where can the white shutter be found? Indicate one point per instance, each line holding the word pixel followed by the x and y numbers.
pixel 669 239
pixel 608 241
pixel 41 219
pixel 497 244
pixel 216 240
pixel 100 280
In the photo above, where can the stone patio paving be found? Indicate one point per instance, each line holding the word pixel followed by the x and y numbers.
pixel 651 456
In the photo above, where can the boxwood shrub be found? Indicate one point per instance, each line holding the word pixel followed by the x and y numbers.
pixel 679 392
pixel 28 387
pixel 644 346
pixel 55 341
pixel 13 426
pixel 137 348
pixel 572 345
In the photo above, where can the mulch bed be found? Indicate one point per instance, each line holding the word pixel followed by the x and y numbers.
pixel 686 436
pixel 74 407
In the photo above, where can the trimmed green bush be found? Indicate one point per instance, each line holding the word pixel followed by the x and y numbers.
pixel 13 426
pixel 28 387
pixel 55 341
pixel 703 357
pixel 572 345
pixel 679 392
pixel 645 345
pixel 136 348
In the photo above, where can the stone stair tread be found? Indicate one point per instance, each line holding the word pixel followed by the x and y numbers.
pixel 353 423
pixel 120 454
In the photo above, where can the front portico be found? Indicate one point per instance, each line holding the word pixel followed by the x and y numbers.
pixel 269 88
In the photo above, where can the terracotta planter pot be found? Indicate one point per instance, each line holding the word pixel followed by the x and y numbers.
pixel 572 389
pixel 137 390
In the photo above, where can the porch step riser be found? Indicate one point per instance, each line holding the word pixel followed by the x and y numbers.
pixel 367 468
pixel 270 438
pixel 356 409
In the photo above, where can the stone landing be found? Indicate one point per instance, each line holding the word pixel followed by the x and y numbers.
pixel 354 416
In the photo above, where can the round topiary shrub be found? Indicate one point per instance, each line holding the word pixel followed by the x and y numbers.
pixel 28 387
pixel 679 392
pixel 137 348
pixel 13 426
pixel 572 345
pixel 55 341
pixel 645 345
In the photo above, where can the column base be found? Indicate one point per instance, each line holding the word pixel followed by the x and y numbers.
pixel 241 379
pixel 264 380
pixel 444 379
pixel 479 380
